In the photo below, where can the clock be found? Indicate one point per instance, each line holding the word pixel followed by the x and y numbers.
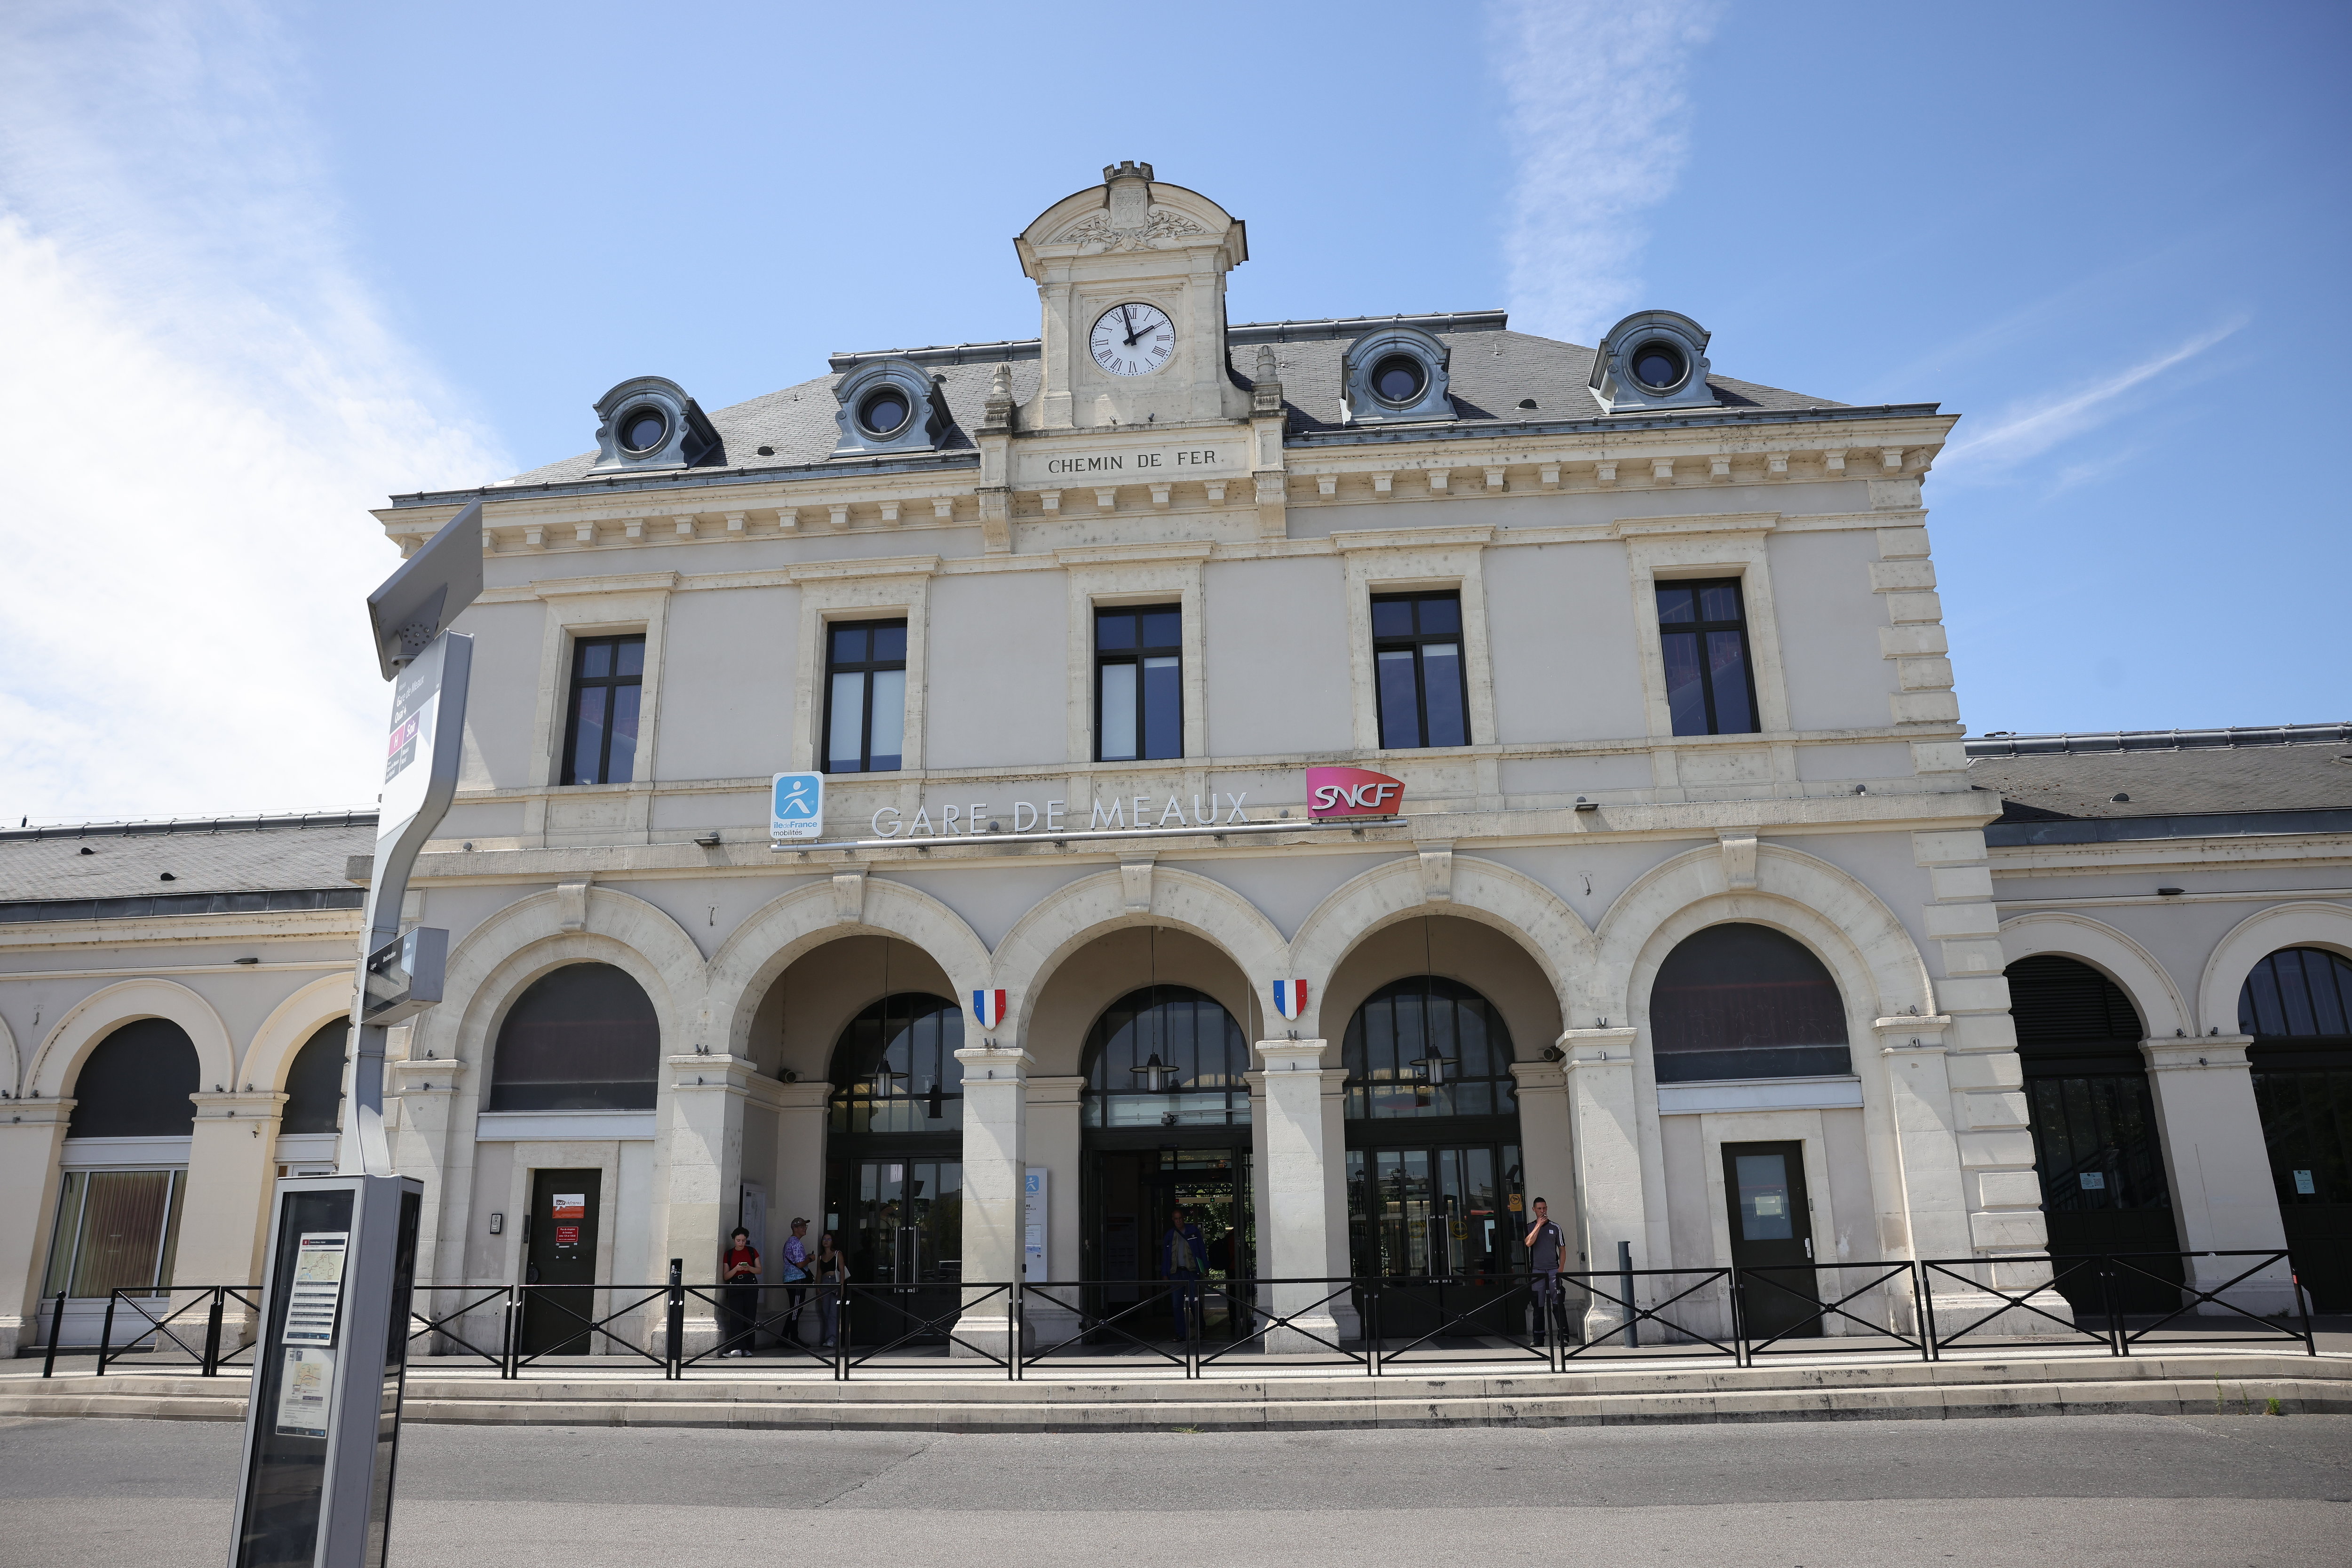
pixel 1133 339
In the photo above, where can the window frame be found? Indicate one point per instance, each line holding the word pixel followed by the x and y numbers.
pixel 1415 641
pixel 1136 655
pixel 868 668
pixel 1699 629
pixel 580 683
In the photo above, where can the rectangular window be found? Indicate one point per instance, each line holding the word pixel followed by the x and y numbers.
pixel 1424 693
pixel 1702 630
pixel 117 1230
pixel 865 697
pixel 600 739
pixel 1138 682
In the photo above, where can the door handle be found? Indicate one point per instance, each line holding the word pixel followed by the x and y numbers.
pixel 1808 1249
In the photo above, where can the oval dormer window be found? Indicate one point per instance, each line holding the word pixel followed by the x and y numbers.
pixel 1659 365
pixel 884 412
pixel 643 427
pixel 1399 379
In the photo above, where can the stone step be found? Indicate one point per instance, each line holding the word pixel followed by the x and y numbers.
pixel 2185 1384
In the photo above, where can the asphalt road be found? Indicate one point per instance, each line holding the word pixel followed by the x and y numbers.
pixel 2148 1492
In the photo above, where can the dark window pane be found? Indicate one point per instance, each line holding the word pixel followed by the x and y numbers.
pixel 135 1083
pixel 1727 657
pixel 1163 628
pixel 582 1037
pixel 1440 613
pixel 1686 698
pixel 596 659
pixel 1115 631
pixel 1745 1001
pixel 849 645
pixel 1163 734
pixel 1674 604
pixel 1391 617
pixel 1399 700
pixel 889 643
pixel 1440 669
pixel 631 656
pixel 622 760
pixel 314 1084
pixel 588 732
pixel 1720 602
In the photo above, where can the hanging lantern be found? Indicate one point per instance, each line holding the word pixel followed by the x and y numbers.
pixel 1159 1078
pixel 1433 1069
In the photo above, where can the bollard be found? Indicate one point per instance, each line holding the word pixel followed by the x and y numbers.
pixel 106 1332
pixel 677 1367
pixel 56 1327
pixel 1625 1290
pixel 213 1331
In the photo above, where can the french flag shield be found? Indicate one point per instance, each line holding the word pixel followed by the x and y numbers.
pixel 1289 997
pixel 988 1008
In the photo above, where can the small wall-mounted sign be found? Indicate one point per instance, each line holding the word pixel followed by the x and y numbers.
pixel 796 806
pixel 1352 792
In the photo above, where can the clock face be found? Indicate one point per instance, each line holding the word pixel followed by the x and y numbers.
pixel 1133 340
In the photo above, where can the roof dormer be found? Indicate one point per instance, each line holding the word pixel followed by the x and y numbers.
pixel 650 423
pixel 1653 359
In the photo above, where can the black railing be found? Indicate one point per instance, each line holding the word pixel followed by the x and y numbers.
pixel 1924 1308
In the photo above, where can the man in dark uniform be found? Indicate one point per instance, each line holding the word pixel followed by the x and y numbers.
pixel 1547 1247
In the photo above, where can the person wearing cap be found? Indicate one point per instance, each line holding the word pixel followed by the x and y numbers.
pixel 796 1276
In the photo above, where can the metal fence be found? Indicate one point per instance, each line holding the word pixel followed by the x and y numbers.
pixel 1919 1308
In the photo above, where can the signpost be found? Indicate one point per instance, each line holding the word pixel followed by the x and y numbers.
pixel 322 1426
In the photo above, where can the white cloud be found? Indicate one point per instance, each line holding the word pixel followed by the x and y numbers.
pixel 1597 131
pixel 2027 430
pixel 202 401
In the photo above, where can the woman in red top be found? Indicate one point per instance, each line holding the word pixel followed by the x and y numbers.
pixel 741 1272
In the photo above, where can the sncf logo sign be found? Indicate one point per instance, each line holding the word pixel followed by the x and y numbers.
pixel 1352 792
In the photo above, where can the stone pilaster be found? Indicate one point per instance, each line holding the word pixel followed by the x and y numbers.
pixel 2217 1164
pixel 1295 1227
pixel 32 1137
pixel 1605 1143
pixel 225 1213
pixel 995 1162
pixel 701 1149
pixel 425 1092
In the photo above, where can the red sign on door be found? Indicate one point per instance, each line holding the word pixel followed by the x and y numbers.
pixel 567 1235
pixel 568 1206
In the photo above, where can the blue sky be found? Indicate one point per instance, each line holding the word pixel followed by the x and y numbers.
pixel 261 265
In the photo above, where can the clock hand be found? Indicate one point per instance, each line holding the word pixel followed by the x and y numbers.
pixel 1127 316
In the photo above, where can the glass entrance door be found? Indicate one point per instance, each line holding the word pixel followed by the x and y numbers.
pixel 1136 1193
pixel 1444 1228
pixel 901 1223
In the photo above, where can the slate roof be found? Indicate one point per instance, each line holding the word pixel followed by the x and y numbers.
pixel 1491 370
pixel 217 865
pixel 2299 769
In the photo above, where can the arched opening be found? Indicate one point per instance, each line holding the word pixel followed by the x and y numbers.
pixel 314 1083
pixel 2095 1144
pixel 1166 1120
pixel 896 1135
pixel 126 1156
pixel 2297 1004
pixel 582 1037
pixel 1435 1187
pixel 1744 1001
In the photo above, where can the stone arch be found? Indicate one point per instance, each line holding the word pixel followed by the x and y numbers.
pixel 2306 923
pixel 10 1065
pixel 270 1053
pixel 103 1012
pixel 501 957
pixel 794 924
pixel 2108 951
pixel 1077 912
pixel 1486 891
pixel 1877 966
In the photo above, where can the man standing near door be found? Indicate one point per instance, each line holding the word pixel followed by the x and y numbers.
pixel 1546 1244
pixel 1185 1257
pixel 796 1275
pixel 742 1275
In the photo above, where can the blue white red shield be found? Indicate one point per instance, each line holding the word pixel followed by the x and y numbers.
pixel 1289 997
pixel 988 1008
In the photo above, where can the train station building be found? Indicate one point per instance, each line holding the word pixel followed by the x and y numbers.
pixel 1691 911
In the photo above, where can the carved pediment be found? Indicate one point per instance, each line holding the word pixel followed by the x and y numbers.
pixel 1099 234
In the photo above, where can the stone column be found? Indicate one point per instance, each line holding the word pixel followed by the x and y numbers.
pixel 1935 1218
pixel 1295 1229
pixel 799 1184
pixel 995 1160
pixel 701 1148
pixel 32 1138
pixel 1549 1170
pixel 1055 1141
pixel 224 1212
pixel 1605 1145
pixel 2219 1165
pixel 420 1097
